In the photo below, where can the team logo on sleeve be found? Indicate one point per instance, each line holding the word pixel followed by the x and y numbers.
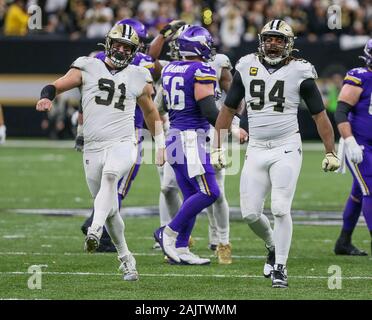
pixel 253 71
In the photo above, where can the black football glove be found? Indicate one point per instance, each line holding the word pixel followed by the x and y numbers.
pixel 171 28
pixel 79 143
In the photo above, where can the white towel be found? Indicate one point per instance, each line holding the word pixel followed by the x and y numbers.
pixel 341 154
pixel 190 148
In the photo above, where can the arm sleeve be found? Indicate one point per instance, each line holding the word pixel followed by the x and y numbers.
pixel 342 112
pixel 208 109
pixel 236 92
pixel 311 95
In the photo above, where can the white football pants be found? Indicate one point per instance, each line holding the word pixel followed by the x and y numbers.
pixel 275 165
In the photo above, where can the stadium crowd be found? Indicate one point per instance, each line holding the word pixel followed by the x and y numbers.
pixel 229 21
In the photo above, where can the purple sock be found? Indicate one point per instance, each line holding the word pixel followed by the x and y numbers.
pixel 367 211
pixel 189 209
pixel 184 235
pixel 352 208
pixel 351 214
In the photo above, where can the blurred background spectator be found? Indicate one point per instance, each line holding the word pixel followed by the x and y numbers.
pixel 235 20
pixel 234 25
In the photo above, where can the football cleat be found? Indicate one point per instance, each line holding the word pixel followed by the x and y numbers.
pixel 279 276
pixel 92 240
pixel 166 237
pixel 212 247
pixel 191 242
pixel 188 258
pixel 156 246
pixel 128 267
pixel 269 264
pixel 347 248
pixel 224 254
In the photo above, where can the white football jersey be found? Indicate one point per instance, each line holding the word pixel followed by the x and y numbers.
pixel 219 62
pixel 108 101
pixel 272 99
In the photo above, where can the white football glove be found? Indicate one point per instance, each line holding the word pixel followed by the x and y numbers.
pixel 330 162
pixel 354 151
pixel 2 134
pixel 218 159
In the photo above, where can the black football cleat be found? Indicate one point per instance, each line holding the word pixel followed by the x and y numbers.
pixel 269 264
pixel 279 276
pixel 347 248
pixel 106 246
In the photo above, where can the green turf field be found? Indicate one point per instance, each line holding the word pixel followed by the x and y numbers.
pixel 53 178
pixel 73 274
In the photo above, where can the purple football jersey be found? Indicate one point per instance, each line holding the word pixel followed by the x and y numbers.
pixel 178 79
pixel 360 116
pixel 143 60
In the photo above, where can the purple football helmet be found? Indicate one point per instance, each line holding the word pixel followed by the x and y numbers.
pixel 196 41
pixel 367 54
pixel 138 26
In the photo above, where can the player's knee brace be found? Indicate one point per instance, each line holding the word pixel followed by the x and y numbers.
pixel 168 191
pixel 251 217
pixel 109 177
pixel 280 208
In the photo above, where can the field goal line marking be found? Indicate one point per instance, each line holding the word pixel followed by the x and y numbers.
pixel 179 275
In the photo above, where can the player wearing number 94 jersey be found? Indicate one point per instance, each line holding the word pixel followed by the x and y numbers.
pixel 273 82
pixel 110 90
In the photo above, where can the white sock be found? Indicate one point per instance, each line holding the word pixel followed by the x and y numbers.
pixel 212 227
pixel 221 215
pixel 172 200
pixel 115 228
pixel 282 236
pixel 105 199
pixel 262 229
pixel 163 211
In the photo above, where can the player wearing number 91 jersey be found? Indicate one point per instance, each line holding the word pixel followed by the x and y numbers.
pixel 272 82
pixel 110 90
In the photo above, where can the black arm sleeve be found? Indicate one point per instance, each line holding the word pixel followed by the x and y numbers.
pixel 311 95
pixel 244 120
pixel 48 92
pixel 208 109
pixel 343 109
pixel 236 92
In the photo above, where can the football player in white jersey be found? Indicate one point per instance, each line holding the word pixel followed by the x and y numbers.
pixel 110 90
pixel 273 82
pixel 218 213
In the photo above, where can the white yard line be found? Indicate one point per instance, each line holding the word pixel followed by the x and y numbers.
pixel 69 144
pixel 193 275
pixel 143 254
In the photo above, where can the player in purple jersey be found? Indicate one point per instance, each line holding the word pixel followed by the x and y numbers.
pixel 354 120
pixel 189 94
pixel 124 184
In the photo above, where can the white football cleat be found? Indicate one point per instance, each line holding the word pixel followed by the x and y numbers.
pixel 93 238
pixel 169 243
pixel 189 258
pixel 128 267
